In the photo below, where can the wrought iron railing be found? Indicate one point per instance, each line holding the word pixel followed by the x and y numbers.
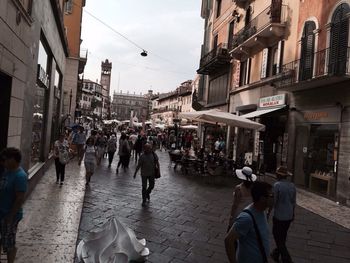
pixel 220 50
pixel 272 14
pixel 327 62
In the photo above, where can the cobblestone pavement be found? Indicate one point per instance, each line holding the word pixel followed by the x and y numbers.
pixel 187 217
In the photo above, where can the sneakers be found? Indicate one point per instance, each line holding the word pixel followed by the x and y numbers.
pixel 61 183
pixel 143 204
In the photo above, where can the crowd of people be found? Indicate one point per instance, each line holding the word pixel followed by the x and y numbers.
pixel 247 238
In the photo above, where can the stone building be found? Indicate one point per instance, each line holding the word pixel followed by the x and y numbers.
pixel 91 101
pixel 124 105
pixel 33 51
pixel 77 57
pixel 288 69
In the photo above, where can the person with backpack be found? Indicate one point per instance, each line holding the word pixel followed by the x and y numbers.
pixel 123 151
pixel 250 229
pixel 111 149
pixel 61 156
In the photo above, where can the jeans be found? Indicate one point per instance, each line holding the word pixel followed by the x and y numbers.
pixel 60 169
pixel 110 157
pixel 147 191
pixel 279 231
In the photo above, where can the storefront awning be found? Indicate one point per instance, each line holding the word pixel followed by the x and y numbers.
pixel 260 112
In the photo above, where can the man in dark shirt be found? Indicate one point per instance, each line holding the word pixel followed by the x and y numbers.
pixel 147 163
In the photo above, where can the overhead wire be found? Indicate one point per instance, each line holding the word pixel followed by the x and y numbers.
pixel 123 36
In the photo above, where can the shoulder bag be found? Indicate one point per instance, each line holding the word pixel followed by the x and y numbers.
pixel 156 166
pixel 258 236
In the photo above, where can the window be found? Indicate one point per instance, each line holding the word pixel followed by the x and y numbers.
pixel 39 111
pixel 218 89
pixel 339 40
pixel 215 42
pixel 248 15
pixel 307 51
pixel 244 74
pixel 68 8
pixel 230 33
pixel 218 8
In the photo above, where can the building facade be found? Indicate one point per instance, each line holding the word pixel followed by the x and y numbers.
pixel 33 51
pixel 76 61
pixel 125 106
pixel 91 101
pixel 288 70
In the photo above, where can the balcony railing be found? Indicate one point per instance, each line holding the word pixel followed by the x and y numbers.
pixel 274 14
pixel 215 59
pixel 330 65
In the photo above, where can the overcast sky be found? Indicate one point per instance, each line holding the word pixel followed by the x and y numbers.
pixel 170 30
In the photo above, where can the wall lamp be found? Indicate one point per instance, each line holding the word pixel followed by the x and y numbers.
pixel 236 15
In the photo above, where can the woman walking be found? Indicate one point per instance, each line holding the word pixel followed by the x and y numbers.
pixel 123 152
pixel 61 155
pixel 89 159
pixel 241 195
pixel 111 148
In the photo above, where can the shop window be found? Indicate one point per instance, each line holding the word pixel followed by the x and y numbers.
pixel 307 51
pixel 218 89
pixel 338 53
pixel 55 127
pixel 39 111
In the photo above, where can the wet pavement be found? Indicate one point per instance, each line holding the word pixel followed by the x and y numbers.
pixel 187 217
pixel 185 221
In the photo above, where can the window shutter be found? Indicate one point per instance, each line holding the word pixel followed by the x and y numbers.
pixel 339 40
pixel 307 51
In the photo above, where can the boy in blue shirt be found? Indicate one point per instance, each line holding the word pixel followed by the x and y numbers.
pixel 13 186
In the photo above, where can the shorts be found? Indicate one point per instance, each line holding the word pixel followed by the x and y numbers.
pixel 90 167
pixel 8 234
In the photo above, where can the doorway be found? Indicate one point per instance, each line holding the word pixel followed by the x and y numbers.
pixel 5 98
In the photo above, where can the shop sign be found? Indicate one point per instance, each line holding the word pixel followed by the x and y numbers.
pixel 273 101
pixel 42 77
pixel 256 144
pixel 324 115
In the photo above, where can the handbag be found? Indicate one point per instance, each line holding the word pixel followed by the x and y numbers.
pixel 63 156
pixel 258 236
pixel 156 168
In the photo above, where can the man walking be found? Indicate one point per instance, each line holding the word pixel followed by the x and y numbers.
pixel 13 186
pixel 147 162
pixel 284 205
pixel 251 229
pixel 80 141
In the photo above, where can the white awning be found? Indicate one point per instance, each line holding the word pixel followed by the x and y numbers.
pixel 260 112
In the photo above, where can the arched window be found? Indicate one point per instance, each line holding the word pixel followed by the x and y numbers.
pixel 307 51
pixel 339 40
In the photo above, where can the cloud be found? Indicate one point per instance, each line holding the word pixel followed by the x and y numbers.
pixel 171 31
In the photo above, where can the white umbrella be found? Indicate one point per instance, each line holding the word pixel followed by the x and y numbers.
pixel 216 116
pixel 189 127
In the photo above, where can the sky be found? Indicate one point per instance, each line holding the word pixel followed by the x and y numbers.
pixel 171 31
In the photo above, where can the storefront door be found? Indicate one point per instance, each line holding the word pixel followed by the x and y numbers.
pixel 301 149
pixel 5 99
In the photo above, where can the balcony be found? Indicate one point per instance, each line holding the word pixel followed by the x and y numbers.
pixel 82 60
pixel 264 30
pixel 214 60
pixel 325 67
